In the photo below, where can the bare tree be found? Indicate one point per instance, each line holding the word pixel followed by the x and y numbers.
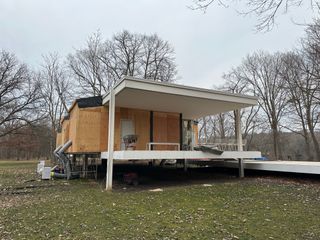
pixel 86 67
pixel 208 130
pixel 19 95
pixel 222 126
pixel 311 45
pixel 301 102
pixel 56 92
pixel 28 142
pixel 138 55
pixel 121 55
pixel 265 10
pixel 261 71
pixel 249 117
pixel 311 51
pixel 216 128
pixel 100 64
pixel 157 60
pixel 301 74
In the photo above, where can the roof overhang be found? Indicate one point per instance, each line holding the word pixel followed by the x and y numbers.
pixel 192 102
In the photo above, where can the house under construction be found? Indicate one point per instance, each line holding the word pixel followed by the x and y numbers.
pixel 145 120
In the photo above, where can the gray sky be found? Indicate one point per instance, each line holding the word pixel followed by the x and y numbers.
pixel 206 45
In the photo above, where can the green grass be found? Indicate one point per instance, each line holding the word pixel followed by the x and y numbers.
pixel 79 209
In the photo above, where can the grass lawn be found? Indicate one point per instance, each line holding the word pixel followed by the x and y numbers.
pixel 253 208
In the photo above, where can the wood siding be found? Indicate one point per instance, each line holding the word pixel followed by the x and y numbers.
pixel 166 129
pixel 59 139
pixel 88 129
pixel 141 120
pixel 65 131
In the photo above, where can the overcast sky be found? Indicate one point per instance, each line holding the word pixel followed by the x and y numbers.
pixel 206 45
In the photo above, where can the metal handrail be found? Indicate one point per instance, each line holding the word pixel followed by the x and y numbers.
pixel 148 145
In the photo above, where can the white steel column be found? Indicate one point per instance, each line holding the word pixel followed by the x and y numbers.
pixel 239 140
pixel 110 140
pixel 238 128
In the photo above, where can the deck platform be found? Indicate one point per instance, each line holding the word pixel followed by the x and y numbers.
pixel 276 166
pixel 151 155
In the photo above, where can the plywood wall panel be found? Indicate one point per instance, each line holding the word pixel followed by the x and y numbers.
pixel 58 139
pixel 88 130
pixel 173 130
pixel 141 120
pixel 159 130
pixel 142 127
pixel 104 129
pixel 166 129
pixel 117 140
pixel 74 121
pixel 65 131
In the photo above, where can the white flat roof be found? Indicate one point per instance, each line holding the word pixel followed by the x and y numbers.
pixel 192 102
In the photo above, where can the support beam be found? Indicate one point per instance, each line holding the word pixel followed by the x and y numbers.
pixel 83 174
pixel 181 131
pixel 241 168
pixel 185 165
pixel 239 140
pixel 110 140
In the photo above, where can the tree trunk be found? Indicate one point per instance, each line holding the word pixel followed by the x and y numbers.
pixel 52 143
pixel 235 125
pixel 276 143
pixel 222 130
pixel 316 145
pixel 205 130
pixel 307 142
pixel 313 136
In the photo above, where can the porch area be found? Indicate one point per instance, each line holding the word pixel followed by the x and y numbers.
pixel 189 103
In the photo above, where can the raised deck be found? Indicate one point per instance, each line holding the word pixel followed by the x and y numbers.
pixel 276 166
pixel 150 155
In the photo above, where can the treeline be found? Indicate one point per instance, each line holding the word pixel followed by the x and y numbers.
pixel 32 102
pixel 283 125
pixel 287 85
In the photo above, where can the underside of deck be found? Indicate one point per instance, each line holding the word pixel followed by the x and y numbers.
pixel 152 155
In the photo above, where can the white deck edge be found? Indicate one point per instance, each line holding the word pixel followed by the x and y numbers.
pixel 276 166
pixel 149 155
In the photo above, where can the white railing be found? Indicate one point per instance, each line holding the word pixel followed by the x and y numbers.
pixel 150 144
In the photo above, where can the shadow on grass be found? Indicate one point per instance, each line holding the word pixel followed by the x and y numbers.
pixel 150 177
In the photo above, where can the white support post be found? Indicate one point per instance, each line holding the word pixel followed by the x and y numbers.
pixel 110 140
pixel 239 141
pixel 238 128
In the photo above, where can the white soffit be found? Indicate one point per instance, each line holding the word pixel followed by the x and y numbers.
pixel 192 102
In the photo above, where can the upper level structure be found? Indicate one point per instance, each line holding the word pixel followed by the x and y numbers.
pixel 155 112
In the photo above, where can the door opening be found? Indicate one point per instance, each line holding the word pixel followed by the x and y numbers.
pixel 127 128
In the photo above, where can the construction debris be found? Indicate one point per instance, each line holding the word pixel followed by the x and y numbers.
pixel 156 190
